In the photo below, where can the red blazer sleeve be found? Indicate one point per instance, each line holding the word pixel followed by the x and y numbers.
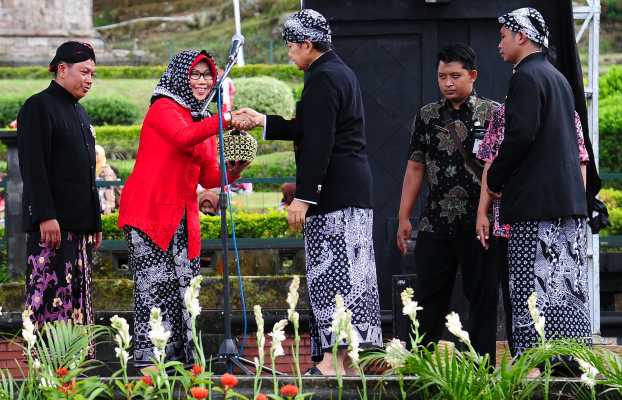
pixel 171 121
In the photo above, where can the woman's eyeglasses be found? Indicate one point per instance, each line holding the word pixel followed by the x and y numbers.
pixel 196 75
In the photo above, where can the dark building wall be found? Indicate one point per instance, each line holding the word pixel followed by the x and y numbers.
pixel 392 46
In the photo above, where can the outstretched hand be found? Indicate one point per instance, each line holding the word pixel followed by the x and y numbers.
pixel 246 118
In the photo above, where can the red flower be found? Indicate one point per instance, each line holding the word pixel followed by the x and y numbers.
pixel 62 372
pixel 197 369
pixel 68 387
pixel 147 380
pixel 199 392
pixel 261 396
pixel 228 381
pixel 289 391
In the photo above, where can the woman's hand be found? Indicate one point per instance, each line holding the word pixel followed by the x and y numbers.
pixel 482 229
pixel 296 213
pixel 236 167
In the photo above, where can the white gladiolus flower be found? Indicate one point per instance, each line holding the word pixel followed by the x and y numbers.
pixel 36 364
pixel 292 298
pixel 158 335
pixel 191 297
pixel 261 339
pixel 538 320
pixel 122 337
pixel 454 326
pixel 121 354
pixel 28 329
pixel 410 307
pixel 340 317
pixel 278 337
pixel 353 344
pixel 395 354
pixel 589 372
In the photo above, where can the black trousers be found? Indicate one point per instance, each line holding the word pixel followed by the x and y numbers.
pixel 436 262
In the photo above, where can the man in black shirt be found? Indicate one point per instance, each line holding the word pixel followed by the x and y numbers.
pixel 444 140
pixel 61 211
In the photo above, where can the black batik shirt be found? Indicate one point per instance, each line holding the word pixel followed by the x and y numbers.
pixel 454 187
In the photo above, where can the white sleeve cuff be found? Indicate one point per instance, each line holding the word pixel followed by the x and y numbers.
pixel 305 201
pixel 263 134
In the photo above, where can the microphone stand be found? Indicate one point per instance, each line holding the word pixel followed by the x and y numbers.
pixel 228 351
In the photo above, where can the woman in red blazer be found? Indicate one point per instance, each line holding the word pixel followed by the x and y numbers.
pixel 159 210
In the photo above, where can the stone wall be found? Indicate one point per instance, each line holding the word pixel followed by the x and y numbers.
pixel 30 30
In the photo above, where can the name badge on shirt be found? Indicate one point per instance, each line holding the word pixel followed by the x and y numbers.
pixel 478 133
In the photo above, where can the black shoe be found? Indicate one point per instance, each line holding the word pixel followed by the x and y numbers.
pixel 313 371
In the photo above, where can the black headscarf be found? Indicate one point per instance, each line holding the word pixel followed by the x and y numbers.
pixel 175 82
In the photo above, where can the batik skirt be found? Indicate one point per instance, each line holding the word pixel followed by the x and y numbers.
pixel 160 280
pixel 339 253
pixel 58 281
pixel 550 259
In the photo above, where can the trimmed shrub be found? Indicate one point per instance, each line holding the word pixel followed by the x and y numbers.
pixel 111 111
pixel 610 132
pixel 280 71
pixel 248 225
pixel 265 94
pixel 101 110
pixel 610 84
pixel 613 199
pixel 9 107
pixel 120 142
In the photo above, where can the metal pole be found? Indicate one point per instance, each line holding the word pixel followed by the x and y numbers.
pixel 238 29
pixel 593 78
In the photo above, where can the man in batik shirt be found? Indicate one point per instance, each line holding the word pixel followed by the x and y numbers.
pixel 444 139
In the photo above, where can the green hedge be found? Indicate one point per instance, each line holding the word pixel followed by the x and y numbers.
pixel 111 111
pixel 120 142
pixel 610 132
pixel 247 225
pixel 9 107
pixel 265 166
pixel 265 94
pixel 280 71
pixel 613 199
pixel 610 84
pixel 102 110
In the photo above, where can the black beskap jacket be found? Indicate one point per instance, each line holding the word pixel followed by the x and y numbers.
pixel 57 162
pixel 332 167
pixel 537 168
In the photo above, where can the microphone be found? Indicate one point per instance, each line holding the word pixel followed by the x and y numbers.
pixel 237 41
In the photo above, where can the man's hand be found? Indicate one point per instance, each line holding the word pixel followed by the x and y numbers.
pixel 296 213
pixel 482 229
pixel 236 167
pixel 404 231
pixel 50 233
pixel 98 240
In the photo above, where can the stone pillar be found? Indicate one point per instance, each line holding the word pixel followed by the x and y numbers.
pixel 15 237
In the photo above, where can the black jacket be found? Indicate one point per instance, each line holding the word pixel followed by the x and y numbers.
pixel 537 167
pixel 332 168
pixel 57 162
